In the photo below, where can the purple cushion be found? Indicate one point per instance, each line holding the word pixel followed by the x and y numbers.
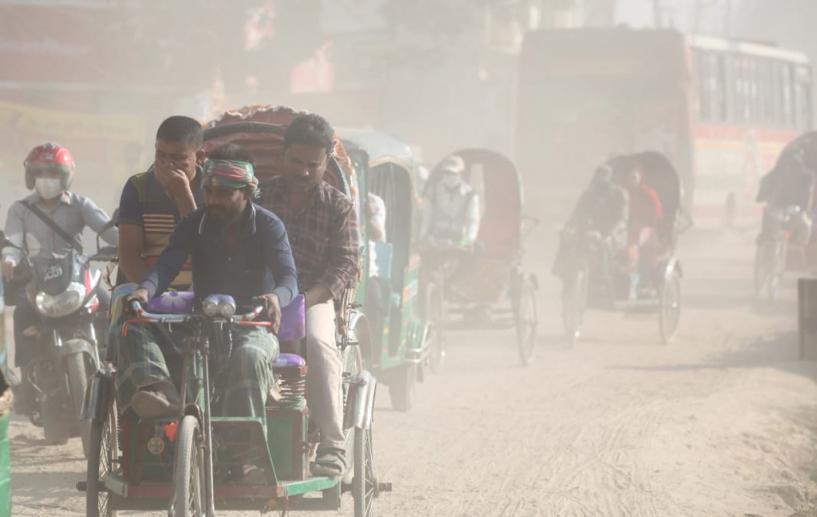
pixel 285 360
pixel 293 320
pixel 172 302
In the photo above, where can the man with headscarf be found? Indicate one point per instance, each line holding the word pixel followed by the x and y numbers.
pixel 451 216
pixel 236 248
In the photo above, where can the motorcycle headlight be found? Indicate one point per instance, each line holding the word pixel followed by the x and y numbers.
pixel 62 304
pixel 219 305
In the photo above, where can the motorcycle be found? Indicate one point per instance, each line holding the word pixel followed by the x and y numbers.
pixel 65 291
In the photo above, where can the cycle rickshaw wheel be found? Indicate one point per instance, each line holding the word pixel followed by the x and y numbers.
pixel 188 474
pixel 574 304
pixel 526 322
pixel 670 310
pixel 435 313
pixel 352 366
pixel 103 447
pixel 364 485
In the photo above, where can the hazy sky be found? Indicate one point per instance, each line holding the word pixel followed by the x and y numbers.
pixel 679 13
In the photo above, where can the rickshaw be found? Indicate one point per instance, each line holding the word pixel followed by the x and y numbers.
pixel 595 274
pixel 186 464
pixel 487 284
pixel 395 341
pixel 781 247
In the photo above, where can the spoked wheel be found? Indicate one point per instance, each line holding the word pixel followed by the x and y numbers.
pixel 364 486
pixel 188 475
pixel 574 303
pixel 770 261
pixel 670 310
pixel 103 459
pixel 434 308
pixel 352 366
pixel 527 321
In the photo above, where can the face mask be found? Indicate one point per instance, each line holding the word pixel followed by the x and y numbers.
pixel 48 188
pixel 451 181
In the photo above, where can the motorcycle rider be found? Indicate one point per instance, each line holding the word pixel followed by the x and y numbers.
pixel 237 248
pixel 49 170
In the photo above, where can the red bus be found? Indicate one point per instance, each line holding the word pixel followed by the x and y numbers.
pixel 721 110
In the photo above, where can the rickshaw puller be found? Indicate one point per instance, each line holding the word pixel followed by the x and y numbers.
pixel 322 227
pixel 239 249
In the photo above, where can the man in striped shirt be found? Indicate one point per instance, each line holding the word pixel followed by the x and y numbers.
pixel 153 202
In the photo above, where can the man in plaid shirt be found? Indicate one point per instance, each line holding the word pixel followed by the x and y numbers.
pixel 322 227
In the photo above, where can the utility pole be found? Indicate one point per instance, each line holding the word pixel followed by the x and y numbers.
pixel 656 12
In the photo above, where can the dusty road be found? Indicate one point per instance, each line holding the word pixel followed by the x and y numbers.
pixel 720 423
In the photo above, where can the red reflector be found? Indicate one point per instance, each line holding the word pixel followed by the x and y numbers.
pixel 170 431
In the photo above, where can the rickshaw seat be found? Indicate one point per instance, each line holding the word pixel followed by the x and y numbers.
pixel 172 302
pixel 288 361
pixel 499 237
pixel 293 320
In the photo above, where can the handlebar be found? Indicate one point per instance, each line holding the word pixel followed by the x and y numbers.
pixel 143 315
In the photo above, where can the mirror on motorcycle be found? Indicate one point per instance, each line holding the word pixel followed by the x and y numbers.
pixel 110 224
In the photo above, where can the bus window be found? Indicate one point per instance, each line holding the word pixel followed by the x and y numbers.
pixel 803 103
pixel 788 98
pixel 711 71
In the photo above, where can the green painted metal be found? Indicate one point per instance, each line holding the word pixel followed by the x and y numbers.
pixel 286 436
pixel 294 488
pixel 116 484
pixel 5 468
pixel 5 410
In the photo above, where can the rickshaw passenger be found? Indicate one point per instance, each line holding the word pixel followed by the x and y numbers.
pixel 153 202
pixel 646 213
pixel 376 218
pixel 451 215
pixel 237 248
pixel 322 227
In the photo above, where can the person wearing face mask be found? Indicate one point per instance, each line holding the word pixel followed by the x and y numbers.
pixel 322 228
pixel 49 169
pixel 451 216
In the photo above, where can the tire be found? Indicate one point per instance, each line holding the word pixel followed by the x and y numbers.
pixel 352 366
pixel 364 485
pixel 75 369
pixel 435 317
pixel 763 269
pixel 526 322
pixel 402 386
pixel 781 250
pixel 188 473
pixel 55 429
pixel 574 303
pixel 669 314
pixel 103 450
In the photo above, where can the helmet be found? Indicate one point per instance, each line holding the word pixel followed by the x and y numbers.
pixel 49 156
